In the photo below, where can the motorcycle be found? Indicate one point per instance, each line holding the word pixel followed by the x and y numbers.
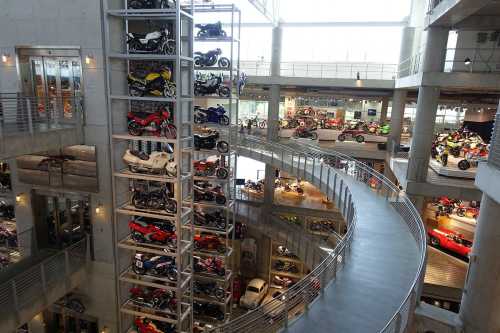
pixel 206 168
pixel 384 129
pixel 211 58
pixel 441 154
pixel 467 211
pixel 157 265
pixel 210 220
pixel 6 210
pixel 153 42
pixel 210 142
pixel 157 124
pixel 209 266
pixel 71 303
pixel 211 30
pixel 210 86
pixel 8 237
pixel 214 115
pixel 209 243
pixel 254 122
pixel 473 156
pixel 332 123
pixel 151 4
pixel 157 199
pixel 146 325
pixel 208 309
pixel 209 194
pixel 153 298
pixel 156 83
pixel 283 281
pixel 255 186
pixel 143 232
pixel 303 132
pixel 285 266
pixel 155 163
pixel 210 289
pixel 293 188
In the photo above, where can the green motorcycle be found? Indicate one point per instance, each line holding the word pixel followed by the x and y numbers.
pixel 384 129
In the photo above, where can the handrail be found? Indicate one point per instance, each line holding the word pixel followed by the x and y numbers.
pixel 34 282
pixel 418 234
pixel 308 161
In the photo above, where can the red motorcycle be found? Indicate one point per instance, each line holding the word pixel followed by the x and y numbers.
pixel 209 194
pixel 333 123
pixel 209 243
pixel 157 123
pixel 146 325
pixel 462 211
pixel 204 168
pixel 143 232
pixel 209 266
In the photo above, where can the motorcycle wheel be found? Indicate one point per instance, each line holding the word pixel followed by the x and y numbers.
pixel 138 237
pixel 199 119
pixel 133 169
pixel 134 45
pixel 198 62
pixel 224 120
pixel 169 90
pixel 262 124
pixel 221 248
pixel 222 147
pixel 139 270
pixel 360 139
pixel 460 213
pixel 463 165
pixel 198 91
pixel 341 137
pixel 224 91
pixel 171 206
pixel 137 202
pixel 201 34
pixel 219 294
pixel 135 92
pixel 135 5
pixel 168 47
pixel 222 173
pixel 171 132
pixel 135 129
pixel 444 160
pixel 172 274
pixel 220 199
pixel 221 271
pixel 221 225
pixel 224 62
pixel 154 202
pixel 314 136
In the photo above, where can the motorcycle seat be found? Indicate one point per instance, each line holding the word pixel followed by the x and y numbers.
pixel 142 155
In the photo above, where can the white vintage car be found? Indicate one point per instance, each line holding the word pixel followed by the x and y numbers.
pixel 254 294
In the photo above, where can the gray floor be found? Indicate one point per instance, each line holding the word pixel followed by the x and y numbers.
pixel 378 273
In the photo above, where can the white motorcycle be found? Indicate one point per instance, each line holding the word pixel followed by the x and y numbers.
pixel 156 163
pixel 153 42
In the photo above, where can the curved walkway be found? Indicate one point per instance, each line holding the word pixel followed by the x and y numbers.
pixel 383 262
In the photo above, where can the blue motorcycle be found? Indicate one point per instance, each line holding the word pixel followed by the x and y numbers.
pixel 214 115
pixel 157 265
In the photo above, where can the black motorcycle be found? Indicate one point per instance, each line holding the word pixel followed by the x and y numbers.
pixel 209 194
pixel 208 309
pixel 210 220
pixel 211 58
pixel 6 210
pixel 211 30
pixel 210 86
pixel 157 199
pixel 153 42
pixel 210 142
pixel 210 289
pixel 151 4
pixel 283 266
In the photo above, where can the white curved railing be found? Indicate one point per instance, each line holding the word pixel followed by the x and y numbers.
pixel 322 169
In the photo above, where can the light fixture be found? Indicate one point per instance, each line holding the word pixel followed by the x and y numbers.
pixel 5 57
pixel 98 209
pixel 467 61
pixel 89 58
pixel 19 197
pixel 104 329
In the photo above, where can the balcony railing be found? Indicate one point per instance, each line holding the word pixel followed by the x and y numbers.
pixel 29 114
pixel 333 70
pixel 34 283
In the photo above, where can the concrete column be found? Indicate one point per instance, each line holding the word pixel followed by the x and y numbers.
pixel 269 187
pixel 406 51
pixel 433 61
pixel 275 90
pixel 480 306
pixel 397 117
pixel 383 110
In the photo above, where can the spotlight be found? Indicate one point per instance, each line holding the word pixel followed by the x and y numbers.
pixel 98 209
pixel 467 61
pixel 19 197
pixel 5 57
pixel 89 58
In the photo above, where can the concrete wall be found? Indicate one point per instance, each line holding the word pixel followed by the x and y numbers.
pixel 484 56
pixel 72 23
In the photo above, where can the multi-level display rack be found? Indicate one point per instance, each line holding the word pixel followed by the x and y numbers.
pixel 214 243
pixel 279 254
pixel 149 65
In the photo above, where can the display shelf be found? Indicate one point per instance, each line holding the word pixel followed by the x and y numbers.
pixel 213 179
pixel 294 260
pixel 144 98
pixel 214 277
pixel 129 209
pixel 212 152
pixel 228 39
pixel 215 69
pixel 206 204
pixel 217 97
pixel 147 13
pixel 214 230
pixel 126 173
pixel 204 298
pixel 227 253
pixel 129 276
pixel 287 274
pixel 144 138
pixel 161 315
pixel 129 244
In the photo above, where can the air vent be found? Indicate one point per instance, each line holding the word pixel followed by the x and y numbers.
pixel 494 156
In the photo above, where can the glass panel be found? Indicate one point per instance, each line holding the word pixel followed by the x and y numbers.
pixel 39 84
pixel 67 93
pixel 51 74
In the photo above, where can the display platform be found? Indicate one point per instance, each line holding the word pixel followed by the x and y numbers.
pixel 464 219
pixel 452 170
pixel 286 133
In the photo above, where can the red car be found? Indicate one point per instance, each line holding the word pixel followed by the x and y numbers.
pixel 209 243
pixel 450 240
pixel 149 233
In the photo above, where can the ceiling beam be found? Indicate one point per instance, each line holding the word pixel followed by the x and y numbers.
pixel 270 13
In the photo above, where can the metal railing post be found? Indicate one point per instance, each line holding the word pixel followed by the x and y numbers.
pixel 15 300
pixel 30 116
pixel 340 192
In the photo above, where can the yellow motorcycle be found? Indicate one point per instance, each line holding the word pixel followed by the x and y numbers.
pixel 156 83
